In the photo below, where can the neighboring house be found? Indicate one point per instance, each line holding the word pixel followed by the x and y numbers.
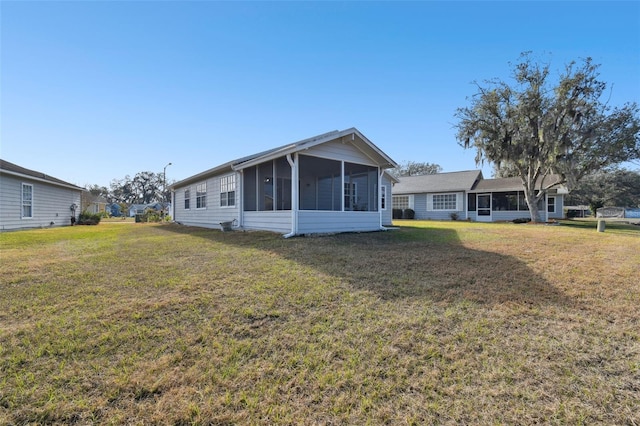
pixel 114 209
pixel 135 209
pixel 467 195
pixel 435 196
pixel 31 199
pixel 502 199
pixel 93 203
pixel 334 182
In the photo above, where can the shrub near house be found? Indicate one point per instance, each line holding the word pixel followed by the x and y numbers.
pixel 87 218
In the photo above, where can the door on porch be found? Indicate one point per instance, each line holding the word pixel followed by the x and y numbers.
pixel 484 208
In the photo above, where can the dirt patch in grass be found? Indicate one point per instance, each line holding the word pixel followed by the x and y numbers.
pixel 444 323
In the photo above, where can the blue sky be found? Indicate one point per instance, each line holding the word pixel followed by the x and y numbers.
pixel 93 91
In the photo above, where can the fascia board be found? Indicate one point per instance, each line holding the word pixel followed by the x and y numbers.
pixel 29 177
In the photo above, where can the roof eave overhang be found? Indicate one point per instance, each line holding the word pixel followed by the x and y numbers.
pixel 352 135
pixel 50 182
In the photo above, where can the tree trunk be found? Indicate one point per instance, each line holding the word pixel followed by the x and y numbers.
pixel 532 202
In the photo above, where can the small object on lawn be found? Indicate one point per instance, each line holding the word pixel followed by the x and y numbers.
pixel 226 226
pixel 601 225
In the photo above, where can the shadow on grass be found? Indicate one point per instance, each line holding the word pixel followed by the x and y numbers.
pixel 409 262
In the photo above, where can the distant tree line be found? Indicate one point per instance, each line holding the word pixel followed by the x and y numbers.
pixel 613 188
pixel 143 188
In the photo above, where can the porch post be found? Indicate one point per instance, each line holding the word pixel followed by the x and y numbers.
pixel 240 199
pixel 380 194
pixel 295 202
pixel 342 185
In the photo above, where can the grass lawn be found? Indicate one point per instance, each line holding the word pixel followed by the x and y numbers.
pixel 437 322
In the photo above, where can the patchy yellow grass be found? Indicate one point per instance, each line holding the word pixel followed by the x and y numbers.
pixel 437 322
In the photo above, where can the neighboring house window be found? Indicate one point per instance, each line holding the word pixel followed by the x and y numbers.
pixel 201 195
pixel 551 204
pixel 228 191
pixel 187 199
pixel 445 202
pixel 400 202
pixel 383 197
pixel 27 201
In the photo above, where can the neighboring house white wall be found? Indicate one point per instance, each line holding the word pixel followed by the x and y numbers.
pixel 51 204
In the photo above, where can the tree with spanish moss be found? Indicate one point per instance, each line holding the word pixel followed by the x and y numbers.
pixel 536 127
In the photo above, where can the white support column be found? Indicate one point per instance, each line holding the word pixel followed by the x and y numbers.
pixel 240 198
pixel 380 195
pixel 294 194
pixel 342 185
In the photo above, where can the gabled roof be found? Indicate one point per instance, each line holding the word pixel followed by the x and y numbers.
pixel 351 135
pixel 512 184
pixel 440 182
pixel 15 170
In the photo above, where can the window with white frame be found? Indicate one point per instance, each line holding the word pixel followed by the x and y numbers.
pixel 228 191
pixel 383 197
pixel 27 201
pixel 187 199
pixel 400 202
pixel 551 204
pixel 201 195
pixel 445 201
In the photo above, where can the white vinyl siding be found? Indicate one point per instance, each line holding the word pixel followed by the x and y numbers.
pixel 50 203
pixel 312 222
pixel 213 214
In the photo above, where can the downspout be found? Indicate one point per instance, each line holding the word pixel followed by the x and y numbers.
pixel 173 205
pixel 294 196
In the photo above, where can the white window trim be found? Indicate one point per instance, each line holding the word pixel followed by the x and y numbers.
pixel 410 199
pixel 205 196
pixel 22 200
pixel 186 198
pixel 235 197
pixel 383 196
pixel 430 202
pixel 551 197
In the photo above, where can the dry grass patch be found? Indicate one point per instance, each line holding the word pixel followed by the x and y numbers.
pixel 443 323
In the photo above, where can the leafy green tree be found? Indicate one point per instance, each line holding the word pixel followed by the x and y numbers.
pixel 413 168
pixel 535 128
pixel 619 187
pixel 143 188
pixel 98 191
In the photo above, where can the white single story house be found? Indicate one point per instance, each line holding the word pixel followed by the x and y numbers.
pixel 467 195
pixel 31 199
pixel 334 182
